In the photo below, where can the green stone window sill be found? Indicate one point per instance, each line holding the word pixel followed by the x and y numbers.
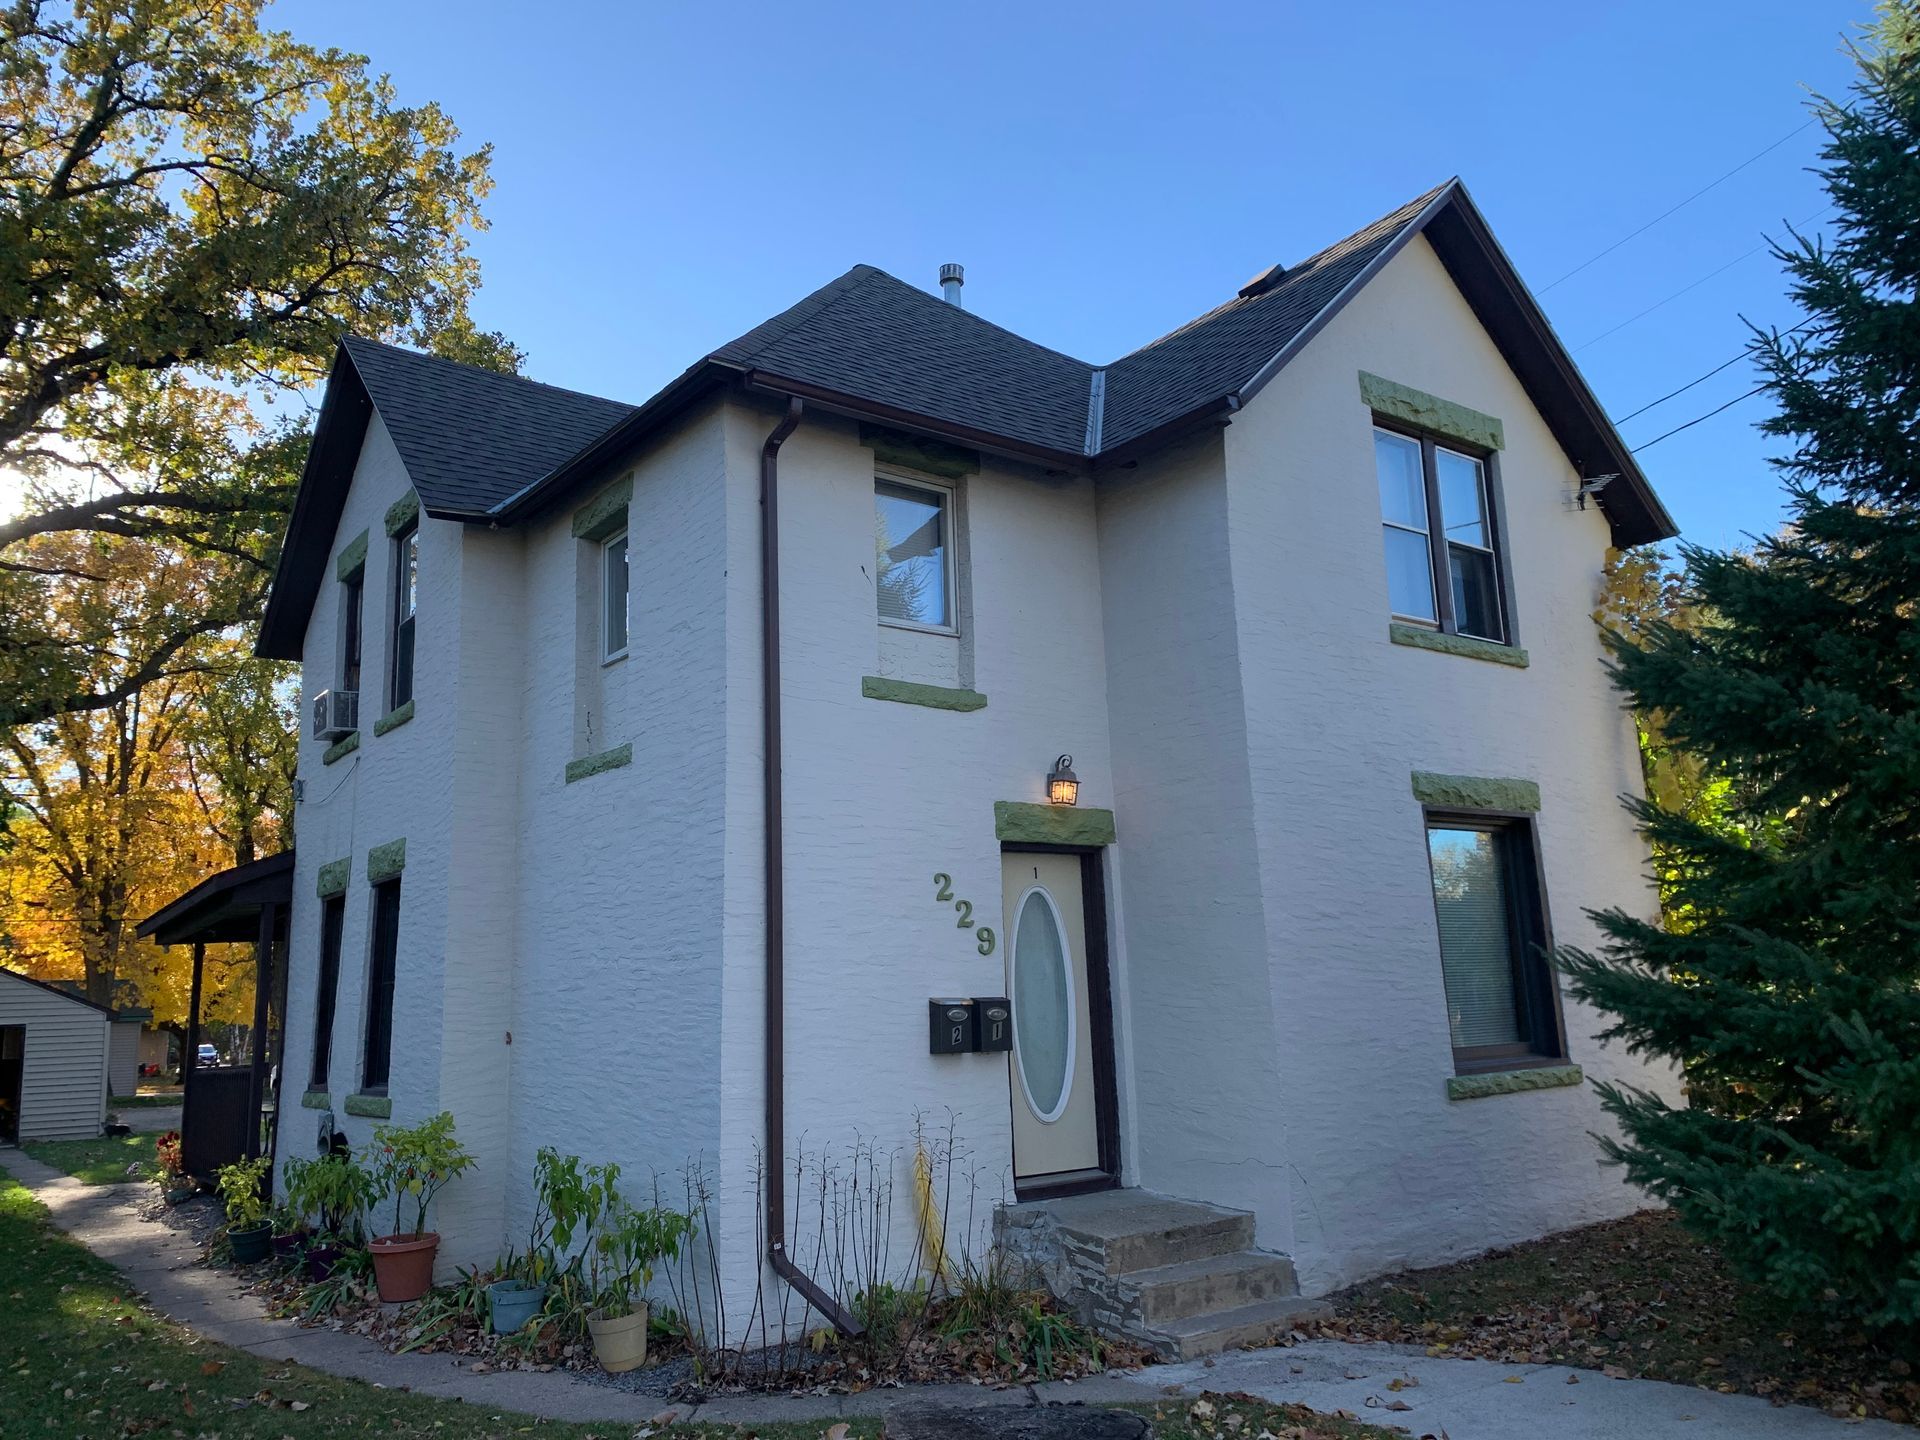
pixel 1467 645
pixel 605 514
pixel 934 697
pixel 1512 1082
pixel 316 1100
pixel 386 861
pixel 598 764
pixel 1026 823
pixel 374 1107
pixel 1475 792
pixel 341 748
pixel 333 878
pixel 402 513
pixel 1430 412
pixel 394 718
pixel 912 452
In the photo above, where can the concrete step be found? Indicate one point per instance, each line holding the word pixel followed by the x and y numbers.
pixel 1211 1285
pixel 1256 1324
pixel 1121 1231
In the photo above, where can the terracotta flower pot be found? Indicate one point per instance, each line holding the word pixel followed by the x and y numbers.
pixel 403 1265
pixel 620 1341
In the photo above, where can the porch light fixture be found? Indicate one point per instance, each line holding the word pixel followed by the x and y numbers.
pixel 1063 786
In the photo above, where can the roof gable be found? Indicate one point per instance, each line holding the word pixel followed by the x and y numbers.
pixel 53 989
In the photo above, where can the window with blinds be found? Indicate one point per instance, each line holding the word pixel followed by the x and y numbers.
pixel 1492 929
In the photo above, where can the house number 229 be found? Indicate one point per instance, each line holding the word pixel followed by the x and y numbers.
pixel 983 935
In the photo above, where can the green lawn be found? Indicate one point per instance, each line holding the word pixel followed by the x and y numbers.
pixel 157 1101
pixel 98 1162
pixel 80 1359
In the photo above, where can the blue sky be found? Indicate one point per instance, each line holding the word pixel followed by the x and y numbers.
pixel 670 174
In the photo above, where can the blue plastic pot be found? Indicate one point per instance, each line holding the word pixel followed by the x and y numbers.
pixel 512 1303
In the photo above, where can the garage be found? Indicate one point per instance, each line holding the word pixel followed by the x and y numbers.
pixel 54 1050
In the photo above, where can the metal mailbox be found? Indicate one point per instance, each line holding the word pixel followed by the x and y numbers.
pixel 950 1028
pixel 992 1023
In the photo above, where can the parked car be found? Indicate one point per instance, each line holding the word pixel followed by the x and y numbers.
pixel 206 1055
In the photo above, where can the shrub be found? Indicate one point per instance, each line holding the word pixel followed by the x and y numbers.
pixel 240 1190
pixel 414 1164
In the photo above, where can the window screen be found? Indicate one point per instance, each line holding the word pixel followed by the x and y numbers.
pixel 911 572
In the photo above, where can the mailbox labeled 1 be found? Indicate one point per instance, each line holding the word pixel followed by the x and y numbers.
pixel 992 1023
pixel 950 1027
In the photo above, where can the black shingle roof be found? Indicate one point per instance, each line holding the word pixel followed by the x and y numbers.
pixel 470 437
pixel 870 335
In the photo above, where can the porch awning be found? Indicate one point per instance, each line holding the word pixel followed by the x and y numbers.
pixel 225 908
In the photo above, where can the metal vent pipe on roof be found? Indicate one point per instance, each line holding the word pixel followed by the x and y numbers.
pixel 952 277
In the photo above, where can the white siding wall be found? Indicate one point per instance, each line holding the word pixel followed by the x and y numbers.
pixel 64 1084
pixel 1385 1169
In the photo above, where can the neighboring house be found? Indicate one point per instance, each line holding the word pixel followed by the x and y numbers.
pixel 135 1040
pixel 1303 588
pixel 53 1061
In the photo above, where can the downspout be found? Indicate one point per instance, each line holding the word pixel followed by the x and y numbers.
pixel 775 1085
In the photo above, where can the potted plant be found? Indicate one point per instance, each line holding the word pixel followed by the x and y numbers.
pixel 331 1195
pixel 247 1228
pixel 289 1232
pixel 566 1203
pixel 169 1169
pixel 412 1165
pixel 630 1243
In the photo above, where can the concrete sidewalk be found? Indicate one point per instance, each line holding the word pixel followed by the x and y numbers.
pixel 1468 1399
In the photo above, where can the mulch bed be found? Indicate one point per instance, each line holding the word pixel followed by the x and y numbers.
pixel 1635 1298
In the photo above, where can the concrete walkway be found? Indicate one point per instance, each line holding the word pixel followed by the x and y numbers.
pixel 150 1119
pixel 1465 1399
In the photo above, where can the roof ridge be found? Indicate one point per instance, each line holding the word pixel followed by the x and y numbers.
pixel 351 340
pixel 1410 208
pixel 810 306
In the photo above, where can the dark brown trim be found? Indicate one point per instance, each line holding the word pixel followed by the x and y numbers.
pixel 1106 1089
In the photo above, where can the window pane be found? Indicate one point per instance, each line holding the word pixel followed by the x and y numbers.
pixel 1462 498
pixel 350 665
pixel 1403 492
pixel 380 975
pixel 910 559
pixel 1476 941
pixel 409 572
pixel 1409 573
pixel 1476 593
pixel 333 914
pixel 616 589
pixel 1043 1018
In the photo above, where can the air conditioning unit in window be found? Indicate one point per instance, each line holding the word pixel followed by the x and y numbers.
pixel 336 714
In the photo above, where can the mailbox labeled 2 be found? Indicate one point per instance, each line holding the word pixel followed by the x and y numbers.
pixel 992 1023
pixel 950 1027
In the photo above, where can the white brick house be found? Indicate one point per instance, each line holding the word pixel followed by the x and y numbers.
pixel 1280 957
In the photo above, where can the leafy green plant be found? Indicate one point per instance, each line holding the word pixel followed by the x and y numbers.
pixel 412 1165
pixel 630 1242
pixel 240 1191
pixel 331 1194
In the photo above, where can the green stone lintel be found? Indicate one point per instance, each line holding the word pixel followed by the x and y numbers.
pixel 386 861
pixel 333 877
pixel 1512 1082
pixel 374 1107
pixel 341 748
pixel 1474 649
pixel 1430 412
pixel 1026 823
pixel 353 558
pixel 1475 792
pixel 915 452
pixel 402 513
pixel 596 764
pixel 316 1100
pixel 394 718
pixel 606 513
pixel 934 697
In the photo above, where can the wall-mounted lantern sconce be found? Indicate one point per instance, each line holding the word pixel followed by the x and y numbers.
pixel 1063 786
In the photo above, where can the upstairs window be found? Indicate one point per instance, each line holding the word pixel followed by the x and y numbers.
pixel 352 639
pixel 1443 557
pixel 613 592
pixel 1487 901
pixel 406 601
pixel 913 554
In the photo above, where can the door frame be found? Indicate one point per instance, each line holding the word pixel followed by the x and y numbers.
pixel 1106 1089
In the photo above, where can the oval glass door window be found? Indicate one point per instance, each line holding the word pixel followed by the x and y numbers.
pixel 1043 1018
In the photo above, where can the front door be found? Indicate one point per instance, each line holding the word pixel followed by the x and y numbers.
pixel 1060 1066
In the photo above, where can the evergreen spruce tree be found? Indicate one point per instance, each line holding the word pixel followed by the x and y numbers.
pixel 1791 991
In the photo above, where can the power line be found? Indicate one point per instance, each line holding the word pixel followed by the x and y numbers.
pixel 1711 185
pixel 1698 418
pixel 1699 379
